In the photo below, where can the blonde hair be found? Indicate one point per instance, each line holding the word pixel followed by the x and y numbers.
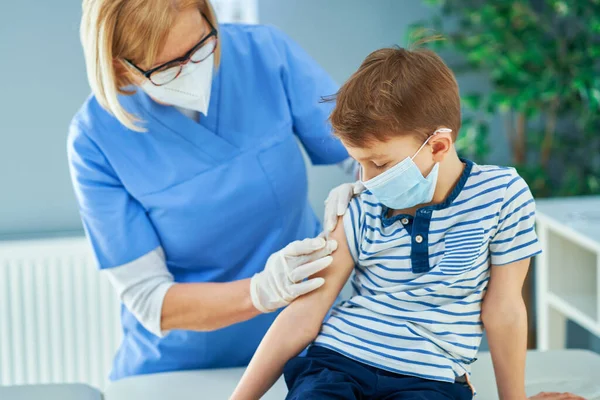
pixel 115 30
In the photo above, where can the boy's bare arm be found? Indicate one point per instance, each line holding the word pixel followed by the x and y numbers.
pixel 505 320
pixel 296 326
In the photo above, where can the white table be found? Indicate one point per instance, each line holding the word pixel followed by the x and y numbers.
pixel 72 391
pixel 567 370
pixel 564 370
pixel 568 272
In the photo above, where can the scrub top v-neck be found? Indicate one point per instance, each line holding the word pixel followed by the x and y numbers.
pixel 219 195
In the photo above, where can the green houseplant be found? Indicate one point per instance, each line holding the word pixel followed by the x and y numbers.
pixel 542 60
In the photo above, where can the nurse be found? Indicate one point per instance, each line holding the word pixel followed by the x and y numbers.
pixel 191 185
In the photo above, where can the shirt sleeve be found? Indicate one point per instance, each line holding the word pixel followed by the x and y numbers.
pixel 515 238
pixel 306 83
pixel 116 224
pixel 141 286
pixel 352 226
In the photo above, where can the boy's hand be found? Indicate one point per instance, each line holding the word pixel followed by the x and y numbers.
pixel 337 203
pixel 556 396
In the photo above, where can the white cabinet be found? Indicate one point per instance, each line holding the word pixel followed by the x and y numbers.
pixel 568 270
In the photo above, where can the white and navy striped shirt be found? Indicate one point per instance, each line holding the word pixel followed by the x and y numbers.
pixel 419 280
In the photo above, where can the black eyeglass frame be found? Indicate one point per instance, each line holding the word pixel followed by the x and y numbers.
pixel 180 61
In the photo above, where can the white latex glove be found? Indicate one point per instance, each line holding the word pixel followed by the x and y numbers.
pixel 337 203
pixel 283 278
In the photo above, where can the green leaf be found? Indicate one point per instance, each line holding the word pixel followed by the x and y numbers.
pixel 594 95
pixel 434 3
pixel 561 7
pixel 465 141
pixel 531 112
pixel 593 183
pixel 498 102
pixel 481 142
pixel 472 101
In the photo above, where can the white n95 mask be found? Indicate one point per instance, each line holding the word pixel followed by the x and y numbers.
pixel 404 186
pixel 191 89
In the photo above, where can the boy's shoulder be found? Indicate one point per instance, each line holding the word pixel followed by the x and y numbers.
pixel 492 171
pixel 366 203
pixel 500 185
pixel 497 176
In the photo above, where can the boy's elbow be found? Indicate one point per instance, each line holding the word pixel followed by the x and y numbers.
pixel 309 325
pixel 310 333
pixel 500 312
pixel 302 335
pixel 304 321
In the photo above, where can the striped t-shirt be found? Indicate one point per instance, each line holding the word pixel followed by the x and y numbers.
pixel 419 280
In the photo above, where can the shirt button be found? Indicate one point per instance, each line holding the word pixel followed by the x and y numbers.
pixel 419 239
pixel 404 221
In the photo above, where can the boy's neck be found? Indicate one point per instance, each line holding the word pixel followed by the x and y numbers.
pixel 449 174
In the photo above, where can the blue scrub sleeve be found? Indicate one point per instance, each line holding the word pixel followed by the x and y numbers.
pixel 116 224
pixel 306 83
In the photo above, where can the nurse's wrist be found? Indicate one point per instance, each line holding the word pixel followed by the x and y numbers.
pixel 255 297
pixel 250 310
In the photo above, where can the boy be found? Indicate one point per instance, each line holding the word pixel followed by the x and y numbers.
pixel 430 236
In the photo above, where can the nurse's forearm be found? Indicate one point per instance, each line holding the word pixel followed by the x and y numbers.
pixel 207 306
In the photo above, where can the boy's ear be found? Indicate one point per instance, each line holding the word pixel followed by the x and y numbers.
pixel 440 145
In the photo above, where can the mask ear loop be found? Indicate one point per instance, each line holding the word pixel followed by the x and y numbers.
pixel 441 130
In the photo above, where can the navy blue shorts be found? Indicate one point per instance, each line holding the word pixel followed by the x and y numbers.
pixel 324 374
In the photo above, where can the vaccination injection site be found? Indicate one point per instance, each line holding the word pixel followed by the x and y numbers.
pixel 300 200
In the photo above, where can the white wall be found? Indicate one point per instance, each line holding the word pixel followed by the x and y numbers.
pixel 43 84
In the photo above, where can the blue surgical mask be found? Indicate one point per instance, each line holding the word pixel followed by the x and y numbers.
pixel 404 186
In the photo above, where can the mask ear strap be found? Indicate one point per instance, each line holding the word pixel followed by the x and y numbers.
pixel 441 130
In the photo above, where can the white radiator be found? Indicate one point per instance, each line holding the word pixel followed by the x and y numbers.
pixel 59 317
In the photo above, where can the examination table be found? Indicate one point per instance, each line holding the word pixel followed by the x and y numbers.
pixel 575 371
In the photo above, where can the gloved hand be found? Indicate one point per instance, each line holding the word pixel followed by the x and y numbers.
pixel 337 203
pixel 283 278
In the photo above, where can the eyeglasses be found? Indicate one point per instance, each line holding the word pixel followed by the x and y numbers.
pixel 170 70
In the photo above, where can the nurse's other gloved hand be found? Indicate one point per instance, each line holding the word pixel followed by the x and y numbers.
pixel 283 278
pixel 337 203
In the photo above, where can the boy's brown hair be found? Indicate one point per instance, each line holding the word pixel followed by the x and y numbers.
pixel 396 92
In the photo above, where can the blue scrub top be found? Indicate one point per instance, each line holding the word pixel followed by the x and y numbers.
pixel 219 196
